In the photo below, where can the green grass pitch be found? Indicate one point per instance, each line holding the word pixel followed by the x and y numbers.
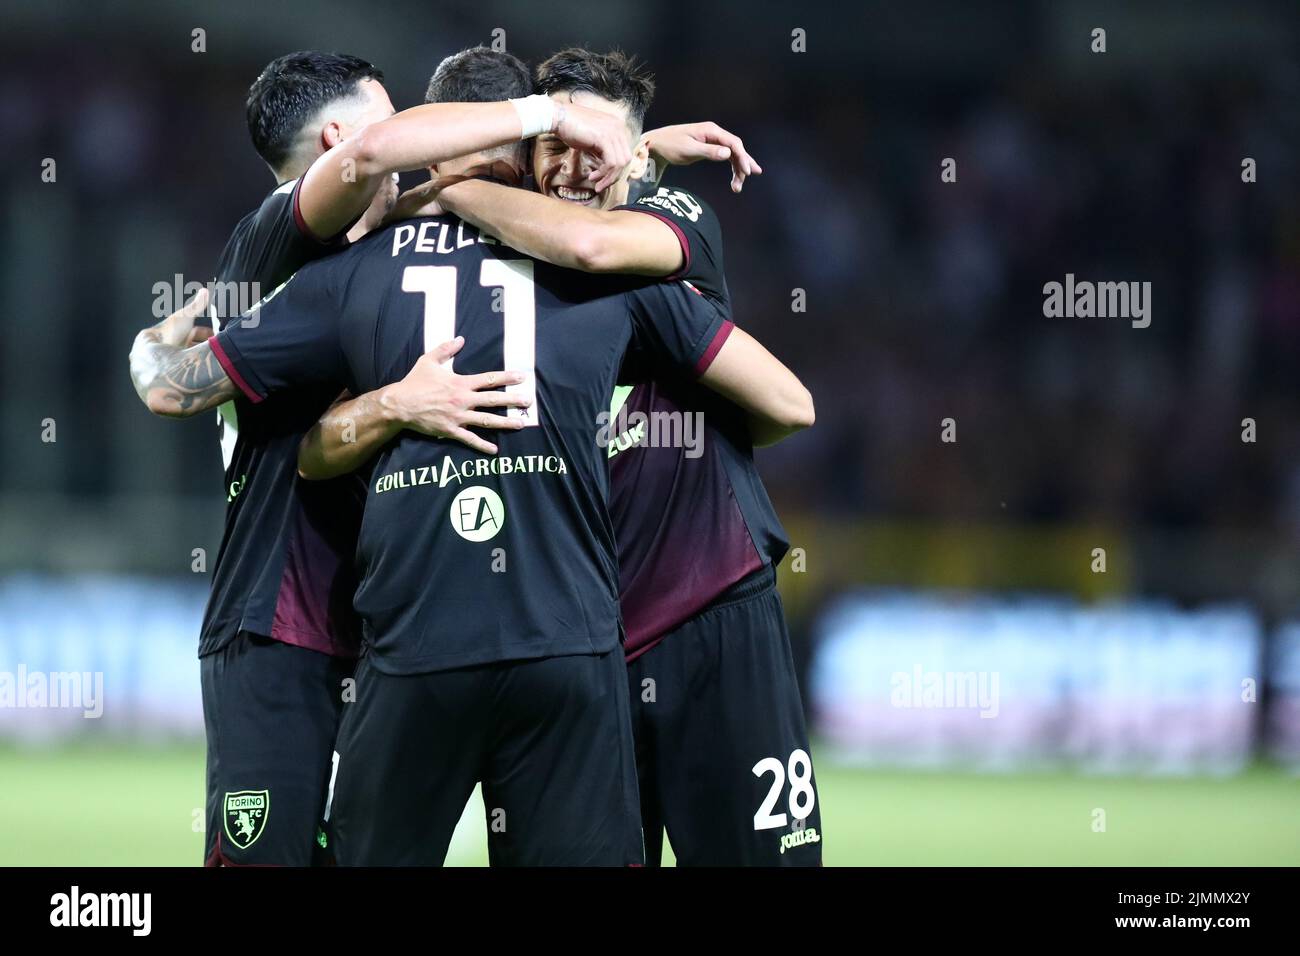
pixel 137 805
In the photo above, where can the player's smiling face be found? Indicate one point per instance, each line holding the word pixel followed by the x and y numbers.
pixel 561 172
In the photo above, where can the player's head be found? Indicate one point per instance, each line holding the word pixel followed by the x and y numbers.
pixel 306 102
pixel 610 82
pixel 481 75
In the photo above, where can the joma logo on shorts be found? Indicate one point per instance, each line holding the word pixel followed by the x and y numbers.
pixel 799 837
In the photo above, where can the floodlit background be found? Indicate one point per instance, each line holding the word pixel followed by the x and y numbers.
pixel 980 691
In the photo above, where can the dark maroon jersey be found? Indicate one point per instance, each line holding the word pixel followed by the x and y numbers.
pixel 285 566
pixel 691 516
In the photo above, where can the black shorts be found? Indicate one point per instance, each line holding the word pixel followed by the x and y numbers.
pixel 550 740
pixel 271 711
pixel 722 747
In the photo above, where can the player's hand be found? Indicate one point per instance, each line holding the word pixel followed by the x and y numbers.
pixel 178 329
pixel 602 136
pixel 689 143
pixel 435 401
pixel 424 199
pixel 421 200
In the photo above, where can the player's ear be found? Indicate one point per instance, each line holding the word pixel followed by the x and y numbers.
pixel 640 160
pixel 331 135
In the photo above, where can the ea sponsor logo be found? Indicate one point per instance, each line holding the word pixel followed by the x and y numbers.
pixel 477 513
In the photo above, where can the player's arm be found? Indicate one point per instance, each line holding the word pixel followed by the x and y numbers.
pixel 347 436
pixel 749 375
pixel 688 143
pixel 340 184
pixel 564 233
pixel 680 328
pixel 431 399
pixel 174 381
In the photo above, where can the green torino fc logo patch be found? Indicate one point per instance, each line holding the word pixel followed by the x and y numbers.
pixel 246 812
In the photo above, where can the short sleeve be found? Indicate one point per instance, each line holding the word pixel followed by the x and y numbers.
pixel 675 328
pixel 269 245
pixel 289 339
pixel 283 237
pixel 699 232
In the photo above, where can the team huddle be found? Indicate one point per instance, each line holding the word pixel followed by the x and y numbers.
pixel 452 557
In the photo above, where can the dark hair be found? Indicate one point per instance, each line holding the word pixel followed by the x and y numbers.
pixel 614 76
pixel 478 75
pixel 292 90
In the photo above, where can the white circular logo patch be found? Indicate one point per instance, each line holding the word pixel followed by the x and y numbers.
pixel 477 513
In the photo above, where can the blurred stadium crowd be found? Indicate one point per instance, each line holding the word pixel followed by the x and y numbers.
pixel 923 298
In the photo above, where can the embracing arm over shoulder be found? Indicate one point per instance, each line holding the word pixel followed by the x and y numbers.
pixel 596 240
pixel 341 182
pixel 566 234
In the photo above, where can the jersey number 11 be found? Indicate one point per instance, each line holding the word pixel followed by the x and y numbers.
pixel 517 306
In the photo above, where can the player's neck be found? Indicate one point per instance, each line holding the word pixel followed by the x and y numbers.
pixel 293 171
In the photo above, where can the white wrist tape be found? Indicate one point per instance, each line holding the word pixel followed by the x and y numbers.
pixel 536 114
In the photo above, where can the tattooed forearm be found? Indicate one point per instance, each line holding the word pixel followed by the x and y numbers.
pixel 176 382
